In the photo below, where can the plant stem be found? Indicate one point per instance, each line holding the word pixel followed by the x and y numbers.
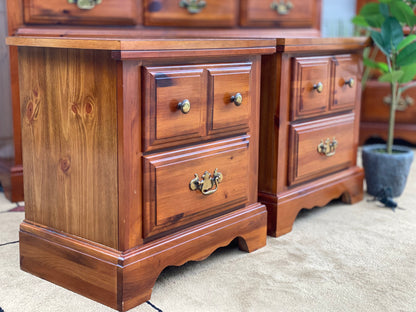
pixel 408 86
pixel 394 99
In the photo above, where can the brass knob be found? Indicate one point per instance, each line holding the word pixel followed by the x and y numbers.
pixel 350 82
pixel 237 99
pixel 193 6
pixel 319 87
pixel 281 7
pixel 85 4
pixel 184 106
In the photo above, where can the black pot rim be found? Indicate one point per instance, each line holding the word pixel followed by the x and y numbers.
pixel 399 148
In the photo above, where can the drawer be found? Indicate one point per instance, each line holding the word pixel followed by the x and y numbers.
pixel 230 94
pixel 280 13
pixel 171 203
pixel 345 82
pixel 192 13
pixel 311 86
pixel 107 12
pixel 165 90
pixel 320 147
pixel 376 107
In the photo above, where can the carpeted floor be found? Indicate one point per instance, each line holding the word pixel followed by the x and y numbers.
pixel 337 258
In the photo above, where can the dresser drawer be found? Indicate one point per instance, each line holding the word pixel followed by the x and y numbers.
pixel 199 13
pixel 106 12
pixel 345 82
pixel 173 199
pixel 311 86
pixel 320 147
pixel 281 13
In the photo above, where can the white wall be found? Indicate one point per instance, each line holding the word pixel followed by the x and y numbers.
pixel 336 18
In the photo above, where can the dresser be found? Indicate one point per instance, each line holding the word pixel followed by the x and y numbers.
pixel 309 127
pixel 139 154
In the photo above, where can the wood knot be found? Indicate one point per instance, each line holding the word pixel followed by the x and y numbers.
pixel 32 108
pixel 74 109
pixel 65 164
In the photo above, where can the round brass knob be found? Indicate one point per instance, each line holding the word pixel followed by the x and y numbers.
pixel 184 106
pixel 237 99
pixel 319 87
pixel 350 82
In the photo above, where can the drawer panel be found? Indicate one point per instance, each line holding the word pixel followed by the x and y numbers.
pixel 306 162
pixel 108 12
pixel 215 13
pixel 170 203
pixel 281 13
pixel 166 88
pixel 311 86
pixel 230 94
pixel 345 82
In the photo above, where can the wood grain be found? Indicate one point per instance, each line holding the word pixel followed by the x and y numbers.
pixel 69 127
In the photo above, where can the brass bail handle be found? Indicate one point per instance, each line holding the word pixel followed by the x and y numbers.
pixel 282 7
pixel 184 106
pixel 193 6
pixel 85 4
pixel 328 147
pixel 208 185
pixel 319 87
pixel 237 99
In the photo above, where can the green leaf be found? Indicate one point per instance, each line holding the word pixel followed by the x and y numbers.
pixel 392 33
pixel 409 72
pixel 371 13
pixel 391 77
pixel 379 41
pixel 406 41
pixel 360 21
pixel 384 9
pixel 376 65
pixel 402 12
pixel 407 56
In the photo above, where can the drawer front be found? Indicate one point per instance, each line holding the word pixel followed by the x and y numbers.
pixel 313 151
pixel 281 13
pixel 215 13
pixel 376 104
pixel 108 12
pixel 166 90
pixel 169 201
pixel 230 94
pixel 311 86
pixel 345 82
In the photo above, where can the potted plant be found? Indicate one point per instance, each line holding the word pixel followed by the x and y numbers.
pixel 387 166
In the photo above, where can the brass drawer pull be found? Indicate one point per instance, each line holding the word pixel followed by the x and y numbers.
pixel 281 7
pixel 350 82
pixel 404 102
pixel 193 6
pixel 208 184
pixel 319 87
pixel 237 99
pixel 184 106
pixel 327 148
pixel 85 4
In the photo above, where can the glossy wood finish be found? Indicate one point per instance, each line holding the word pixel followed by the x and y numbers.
pixel 215 13
pixel 104 213
pixel 293 175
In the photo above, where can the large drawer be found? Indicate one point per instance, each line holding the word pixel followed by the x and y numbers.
pixel 173 199
pixel 206 13
pixel 280 13
pixel 107 12
pixel 320 147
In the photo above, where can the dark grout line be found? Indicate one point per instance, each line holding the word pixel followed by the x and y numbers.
pixel 152 305
pixel 9 243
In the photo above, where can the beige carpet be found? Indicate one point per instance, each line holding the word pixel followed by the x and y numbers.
pixel 337 258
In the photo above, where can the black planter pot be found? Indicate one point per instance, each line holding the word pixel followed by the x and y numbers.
pixel 384 170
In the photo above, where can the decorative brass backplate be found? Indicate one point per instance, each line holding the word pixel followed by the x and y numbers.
pixel 208 184
pixel 403 102
pixel 328 147
pixel 85 4
pixel 281 7
pixel 193 6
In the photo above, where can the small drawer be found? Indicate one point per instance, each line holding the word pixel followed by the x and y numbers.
pixel 175 198
pixel 199 13
pixel 320 147
pixel 345 80
pixel 175 104
pixel 311 86
pixel 230 94
pixel 281 13
pixel 107 12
